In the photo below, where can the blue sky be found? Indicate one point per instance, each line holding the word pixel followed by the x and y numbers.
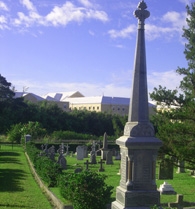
pixel 88 45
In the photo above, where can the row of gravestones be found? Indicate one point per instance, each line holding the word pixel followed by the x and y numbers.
pixel 81 153
pixel 50 153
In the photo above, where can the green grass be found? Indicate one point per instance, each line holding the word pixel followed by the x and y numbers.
pixel 182 183
pixel 18 188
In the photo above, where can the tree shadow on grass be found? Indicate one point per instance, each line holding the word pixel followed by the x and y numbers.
pixel 9 157
pixel 12 206
pixel 10 180
pixel 12 154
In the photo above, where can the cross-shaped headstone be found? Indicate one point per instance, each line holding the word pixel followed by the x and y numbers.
pixel 67 151
pixel 101 169
pixel 93 146
pixel 87 164
pixel 178 204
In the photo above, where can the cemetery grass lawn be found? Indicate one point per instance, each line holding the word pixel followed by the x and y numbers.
pixel 182 183
pixel 18 188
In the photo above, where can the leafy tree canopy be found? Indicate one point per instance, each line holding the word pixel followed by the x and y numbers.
pixel 5 92
pixel 175 122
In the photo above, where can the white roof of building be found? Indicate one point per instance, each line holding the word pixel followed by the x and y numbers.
pixel 61 96
pixel 23 94
pixel 99 100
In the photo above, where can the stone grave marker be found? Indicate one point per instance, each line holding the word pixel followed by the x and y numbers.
pixel 78 170
pixel 165 170
pixel 51 153
pixel 85 153
pixel 93 157
pixel 117 155
pixel 87 164
pixel 62 161
pixel 104 149
pixel 178 204
pixel 101 169
pixel 67 149
pixel 80 152
pixel 166 188
pixel 181 167
pixel 109 160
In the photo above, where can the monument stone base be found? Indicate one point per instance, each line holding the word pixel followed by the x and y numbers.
pixel 135 199
pixel 104 153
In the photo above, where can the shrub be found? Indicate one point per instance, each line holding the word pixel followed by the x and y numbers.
pixel 48 170
pixel 14 134
pixel 61 135
pixel 86 188
pixel 18 131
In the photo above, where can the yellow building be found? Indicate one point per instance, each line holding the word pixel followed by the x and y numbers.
pixel 69 101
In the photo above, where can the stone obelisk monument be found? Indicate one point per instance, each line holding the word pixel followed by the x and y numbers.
pixel 138 145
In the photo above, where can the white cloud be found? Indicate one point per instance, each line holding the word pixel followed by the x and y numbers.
pixel 119 86
pixel 28 4
pixel 169 26
pixel 59 15
pixel 169 79
pixel 177 20
pixel 3 6
pixel 86 3
pixel 124 33
pixel 153 32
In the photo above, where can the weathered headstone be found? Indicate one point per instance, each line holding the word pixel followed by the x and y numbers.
pixel 51 153
pixel 67 149
pixel 62 161
pixel 181 167
pixel 117 155
pixel 78 170
pixel 178 204
pixel 166 188
pixel 93 157
pixel 109 160
pixel 85 153
pixel 27 138
pixel 87 165
pixel 80 152
pixel 61 149
pixel 93 147
pixel 101 169
pixel 165 170
pixel 104 149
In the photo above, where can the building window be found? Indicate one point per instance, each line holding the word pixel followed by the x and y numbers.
pixel 93 108
pixel 97 108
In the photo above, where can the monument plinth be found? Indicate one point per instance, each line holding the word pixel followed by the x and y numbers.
pixel 138 145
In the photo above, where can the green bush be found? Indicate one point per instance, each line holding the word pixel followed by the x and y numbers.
pixel 15 133
pixel 61 135
pixel 86 188
pixel 18 131
pixel 48 170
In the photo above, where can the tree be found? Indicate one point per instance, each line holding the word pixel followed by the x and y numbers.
pixel 5 92
pixel 175 122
